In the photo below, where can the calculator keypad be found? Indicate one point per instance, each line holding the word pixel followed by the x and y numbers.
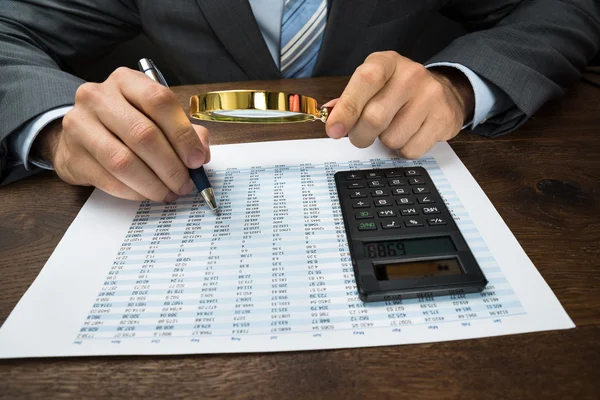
pixel 413 222
pixel 376 183
pixel 425 199
pixel 360 204
pixel 389 199
pixel 391 224
pixel 403 201
pixel 355 185
pixel 396 182
pixel 364 215
pixel 386 213
pixel 400 192
pixel 383 203
pixel 380 193
pixel 421 190
pixel 437 221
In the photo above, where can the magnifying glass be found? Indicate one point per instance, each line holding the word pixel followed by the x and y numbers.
pixel 256 106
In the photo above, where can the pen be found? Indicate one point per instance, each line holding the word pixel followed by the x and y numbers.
pixel 198 175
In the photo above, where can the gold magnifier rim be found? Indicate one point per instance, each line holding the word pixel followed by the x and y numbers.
pixel 209 106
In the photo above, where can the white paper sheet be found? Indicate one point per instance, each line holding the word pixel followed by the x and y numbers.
pixel 266 274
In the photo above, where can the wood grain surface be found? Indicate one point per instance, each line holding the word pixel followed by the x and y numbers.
pixel 544 181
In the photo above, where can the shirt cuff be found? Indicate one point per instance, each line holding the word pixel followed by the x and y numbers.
pixel 490 100
pixel 20 142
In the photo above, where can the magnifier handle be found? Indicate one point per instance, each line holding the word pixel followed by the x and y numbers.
pixel 324 113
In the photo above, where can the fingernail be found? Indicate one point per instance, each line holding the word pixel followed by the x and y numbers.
pixel 171 197
pixel 196 158
pixel 187 188
pixel 337 131
pixel 329 103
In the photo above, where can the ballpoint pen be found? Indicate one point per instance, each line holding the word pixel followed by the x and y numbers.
pixel 198 175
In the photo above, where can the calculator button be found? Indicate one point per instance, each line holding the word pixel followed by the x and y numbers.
pixel 367 226
pixel 382 203
pixel 421 190
pixel 393 174
pixel 360 204
pixel 379 193
pixel 363 215
pixel 430 210
pixel 404 201
pixel 357 194
pixel 355 185
pixel 409 211
pixel 353 177
pixel 376 184
pixel 413 222
pixel 399 192
pixel 391 224
pixel 425 199
pixel 416 181
pixel 412 172
pixel 436 221
pixel 386 213
pixel 373 175
pixel 396 182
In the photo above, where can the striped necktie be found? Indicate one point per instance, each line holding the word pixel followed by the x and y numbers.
pixel 302 28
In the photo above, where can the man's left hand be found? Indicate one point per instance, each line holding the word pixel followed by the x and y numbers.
pixel 407 106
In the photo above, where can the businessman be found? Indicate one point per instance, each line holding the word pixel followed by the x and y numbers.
pixel 129 137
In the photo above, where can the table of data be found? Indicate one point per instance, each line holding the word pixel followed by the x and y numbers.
pixel 273 261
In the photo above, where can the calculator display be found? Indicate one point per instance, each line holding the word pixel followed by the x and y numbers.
pixel 417 269
pixel 409 247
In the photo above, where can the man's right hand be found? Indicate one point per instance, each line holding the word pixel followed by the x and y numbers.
pixel 127 136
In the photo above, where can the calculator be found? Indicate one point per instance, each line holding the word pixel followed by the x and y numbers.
pixel 403 241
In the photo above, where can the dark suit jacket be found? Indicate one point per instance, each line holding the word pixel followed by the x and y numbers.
pixel 532 49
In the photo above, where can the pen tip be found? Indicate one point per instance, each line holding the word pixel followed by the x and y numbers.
pixel 209 197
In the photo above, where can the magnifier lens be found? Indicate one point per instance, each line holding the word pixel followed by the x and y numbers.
pixel 255 106
pixel 251 114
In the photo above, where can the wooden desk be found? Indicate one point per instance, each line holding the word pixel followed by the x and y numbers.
pixel 545 182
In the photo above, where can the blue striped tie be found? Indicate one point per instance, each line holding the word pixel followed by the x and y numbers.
pixel 302 28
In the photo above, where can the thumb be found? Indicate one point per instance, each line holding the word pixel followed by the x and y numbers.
pixel 331 132
pixel 331 103
pixel 204 136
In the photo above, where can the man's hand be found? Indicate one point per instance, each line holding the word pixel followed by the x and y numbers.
pixel 407 106
pixel 127 136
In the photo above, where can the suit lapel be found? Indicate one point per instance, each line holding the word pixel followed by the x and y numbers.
pixel 346 24
pixel 236 27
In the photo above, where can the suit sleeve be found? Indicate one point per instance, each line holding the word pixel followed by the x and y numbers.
pixel 39 42
pixel 533 50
